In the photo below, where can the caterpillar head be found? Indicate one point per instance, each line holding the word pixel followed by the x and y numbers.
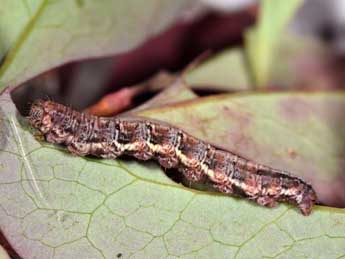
pixel 40 116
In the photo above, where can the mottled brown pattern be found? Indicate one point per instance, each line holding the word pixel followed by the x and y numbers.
pixel 198 161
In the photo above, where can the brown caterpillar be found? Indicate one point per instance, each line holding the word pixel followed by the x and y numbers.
pixel 198 161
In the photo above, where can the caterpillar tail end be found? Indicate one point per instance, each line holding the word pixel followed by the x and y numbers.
pixel 308 200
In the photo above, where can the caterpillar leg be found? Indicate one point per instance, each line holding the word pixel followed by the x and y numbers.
pixel 306 202
pixel 39 136
pixel 192 175
pixel 267 202
pixel 223 188
pixel 140 150
pixel 166 156
pixel 79 149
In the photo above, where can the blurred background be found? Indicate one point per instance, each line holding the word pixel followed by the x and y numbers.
pixel 312 62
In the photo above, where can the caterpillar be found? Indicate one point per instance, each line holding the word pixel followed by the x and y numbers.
pixel 145 139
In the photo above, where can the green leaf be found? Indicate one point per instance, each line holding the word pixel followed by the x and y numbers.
pixel 225 72
pixel 304 62
pixel 14 15
pixel 176 91
pixel 42 34
pixel 56 205
pixel 261 40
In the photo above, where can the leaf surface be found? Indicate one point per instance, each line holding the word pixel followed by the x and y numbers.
pixel 42 34
pixel 14 15
pixel 56 205
pixel 223 72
